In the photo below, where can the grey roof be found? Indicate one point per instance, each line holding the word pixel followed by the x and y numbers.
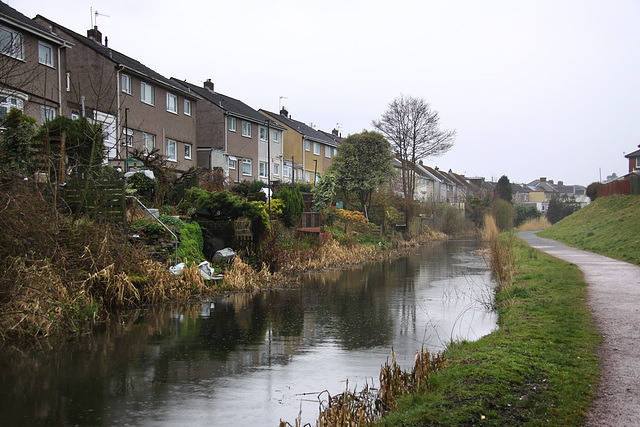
pixel 121 59
pixel 305 130
pixel 10 15
pixel 231 105
pixel 634 154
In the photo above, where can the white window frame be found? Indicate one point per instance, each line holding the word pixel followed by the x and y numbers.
pixel 172 103
pixel 263 168
pixel 126 84
pixel 45 54
pixel 128 137
pixel 247 163
pixel 276 169
pixel 307 176
pixel 264 134
pixel 148 142
pixel 275 136
pixel 187 107
pixel 9 101
pixel 307 145
pixel 147 91
pixel 233 126
pixel 11 43
pixel 316 148
pixel 327 151
pixel 188 149
pixel 638 162
pixel 246 129
pixel 232 162
pixel 172 150
pixel 286 171
pixel 47 113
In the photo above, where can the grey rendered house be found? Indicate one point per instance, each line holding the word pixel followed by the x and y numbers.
pixel 136 106
pixel 233 136
pixel 30 66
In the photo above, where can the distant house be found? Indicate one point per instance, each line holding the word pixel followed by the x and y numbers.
pixel 307 153
pixel 233 136
pixel 634 161
pixel 31 58
pixel 136 106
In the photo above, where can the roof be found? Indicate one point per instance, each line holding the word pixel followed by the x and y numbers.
pixel 634 154
pixel 12 16
pixel 306 131
pixel 121 59
pixel 230 105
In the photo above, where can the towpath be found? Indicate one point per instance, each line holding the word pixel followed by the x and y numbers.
pixel 614 299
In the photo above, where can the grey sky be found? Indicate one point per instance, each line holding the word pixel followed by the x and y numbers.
pixel 533 88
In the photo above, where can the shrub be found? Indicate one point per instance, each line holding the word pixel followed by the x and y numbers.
pixel 191 242
pixel 292 205
pixel 504 214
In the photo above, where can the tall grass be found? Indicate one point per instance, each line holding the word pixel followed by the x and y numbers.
pixel 541 223
pixel 501 256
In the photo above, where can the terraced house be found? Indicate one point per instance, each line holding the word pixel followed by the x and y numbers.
pixel 30 66
pixel 136 106
pixel 233 136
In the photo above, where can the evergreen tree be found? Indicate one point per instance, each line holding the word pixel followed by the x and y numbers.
pixel 504 190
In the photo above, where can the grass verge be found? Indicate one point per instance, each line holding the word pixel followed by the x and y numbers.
pixel 607 226
pixel 538 368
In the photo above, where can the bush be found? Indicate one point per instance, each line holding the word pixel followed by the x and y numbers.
pixel 526 213
pixel 592 190
pixel 191 243
pixel 293 205
pixel 504 214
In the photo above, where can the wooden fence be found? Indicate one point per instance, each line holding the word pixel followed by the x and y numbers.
pixel 622 187
pixel 103 200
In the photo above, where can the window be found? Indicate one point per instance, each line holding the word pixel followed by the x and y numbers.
pixel 48 113
pixel 638 162
pixel 307 176
pixel 9 102
pixel 146 93
pixel 45 54
pixel 276 169
pixel 263 169
pixel 232 162
pixel 246 129
pixel 172 103
pixel 286 171
pixel 264 135
pixel 68 82
pixel 187 107
pixel 11 43
pixel 187 151
pixel 149 142
pixel 171 150
pixel 275 136
pixel 232 124
pixel 128 137
pixel 335 152
pixel 327 151
pixel 246 166
pixel 316 148
pixel 126 84
pixel 307 145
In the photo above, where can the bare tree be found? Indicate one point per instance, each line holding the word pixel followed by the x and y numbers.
pixel 414 130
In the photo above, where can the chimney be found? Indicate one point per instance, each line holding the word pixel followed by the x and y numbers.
pixel 551 181
pixel 561 183
pixel 543 179
pixel 284 112
pixel 208 85
pixel 95 35
pixel 334 132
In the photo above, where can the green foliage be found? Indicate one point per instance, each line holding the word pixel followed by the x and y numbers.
pixel 504 190
pixel 476 208
pixel 191 243
pixel 304 187
pixel 143 186
pixel 504 213
pixel 241 188
pixel 323 192
pixel 171 221
pixel 17 154
pixel 255 187
pixel 607 226
pixel 292 205
pixel 592 190
pixel 561 207
pixel 525 213
pixel 363 163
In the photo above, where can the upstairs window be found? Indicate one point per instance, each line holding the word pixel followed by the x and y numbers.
pixel 146 93
pixel 275 136
pixel 327 151
pixel 316 148
pixel 11 43
pixel 45 54
pixel 172 103
pixel 246 129
pixel 232 124
pixel 126 84
pixel 264 135
pixel 307 145
pixel 187 151
pixel 187 107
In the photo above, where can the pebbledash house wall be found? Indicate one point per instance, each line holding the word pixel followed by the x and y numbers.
pixel 93 83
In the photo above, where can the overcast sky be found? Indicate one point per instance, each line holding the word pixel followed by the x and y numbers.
pixel 533 88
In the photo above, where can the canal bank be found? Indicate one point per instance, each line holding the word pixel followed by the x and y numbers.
pixel 614 299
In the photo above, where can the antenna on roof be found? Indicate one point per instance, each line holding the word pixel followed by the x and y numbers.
pixel 95 21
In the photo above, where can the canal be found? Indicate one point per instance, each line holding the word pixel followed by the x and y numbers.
pixel 253 359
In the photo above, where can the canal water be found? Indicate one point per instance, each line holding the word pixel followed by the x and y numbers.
pixel 251 360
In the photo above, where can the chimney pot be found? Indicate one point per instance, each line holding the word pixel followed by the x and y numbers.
pixel 95 35
pixel 284 112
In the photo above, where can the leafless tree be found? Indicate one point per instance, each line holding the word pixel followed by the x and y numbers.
pixel 414 130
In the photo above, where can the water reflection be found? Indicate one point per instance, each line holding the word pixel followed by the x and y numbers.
pixel 248 359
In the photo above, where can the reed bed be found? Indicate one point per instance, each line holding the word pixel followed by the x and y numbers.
pixel 541 223
pixel 501 255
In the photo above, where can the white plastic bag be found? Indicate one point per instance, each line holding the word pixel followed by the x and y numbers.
pixel 177 269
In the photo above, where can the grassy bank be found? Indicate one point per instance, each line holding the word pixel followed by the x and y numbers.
pixel 537 368
pixel 609 226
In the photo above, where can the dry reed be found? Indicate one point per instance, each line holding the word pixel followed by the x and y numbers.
pixel 541 223
pixel 501 256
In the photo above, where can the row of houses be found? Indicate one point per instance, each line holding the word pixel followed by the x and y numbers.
pixel 48 70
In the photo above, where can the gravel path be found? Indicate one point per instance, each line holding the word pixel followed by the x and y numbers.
pixel 614 299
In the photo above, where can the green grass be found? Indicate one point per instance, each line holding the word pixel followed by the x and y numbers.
pixel 610 226
pixel 538 368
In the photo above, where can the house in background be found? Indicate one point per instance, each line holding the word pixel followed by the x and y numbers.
pixel 233 136
pixel 31 59
pixel 634 160
pixel 136 106
pixel 307 153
